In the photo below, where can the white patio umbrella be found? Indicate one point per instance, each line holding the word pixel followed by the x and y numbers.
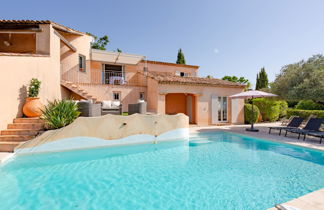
pixel 251 95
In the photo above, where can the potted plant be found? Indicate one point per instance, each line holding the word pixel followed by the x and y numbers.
pixel 33 107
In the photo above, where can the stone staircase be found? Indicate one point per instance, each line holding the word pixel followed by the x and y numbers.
pixel 21 130
pixel 77 90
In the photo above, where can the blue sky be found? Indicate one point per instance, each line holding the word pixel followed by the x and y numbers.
pixel 228 37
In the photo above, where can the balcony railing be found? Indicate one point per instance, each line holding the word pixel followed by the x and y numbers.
pixel 99 77
pixel 114 78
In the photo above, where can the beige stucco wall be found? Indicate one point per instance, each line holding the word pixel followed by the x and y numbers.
pixel 168 68
pixel 70 59
pixel 103 130
pixel 17 71
pixel 203 97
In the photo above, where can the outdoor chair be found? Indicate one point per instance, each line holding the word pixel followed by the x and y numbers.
pixel 295 122
pixel 89 109
pixel 111 107
pixel 137 108
pixel 319 134
pixel 285 121
pixel 313 125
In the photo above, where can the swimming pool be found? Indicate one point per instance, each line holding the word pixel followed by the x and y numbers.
pixel 229 172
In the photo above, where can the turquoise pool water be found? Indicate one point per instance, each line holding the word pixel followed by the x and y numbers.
pixel 230 172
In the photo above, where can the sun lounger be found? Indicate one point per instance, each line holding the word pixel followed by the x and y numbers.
pixel 295 122
pixel 319 134
pixel 313 125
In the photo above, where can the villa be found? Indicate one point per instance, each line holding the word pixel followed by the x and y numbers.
pixel 140 161
pixel 62 58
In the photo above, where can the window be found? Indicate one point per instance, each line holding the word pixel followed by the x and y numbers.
pixel 113 74
pixel 82 63
pixel 116 96
pixel 142 96
pixel 181 74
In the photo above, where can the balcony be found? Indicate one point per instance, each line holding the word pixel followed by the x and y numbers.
pixel 99 77
pixel 113 78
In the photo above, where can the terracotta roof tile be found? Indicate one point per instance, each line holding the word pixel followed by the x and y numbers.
pixel 167 78
pixel 170 64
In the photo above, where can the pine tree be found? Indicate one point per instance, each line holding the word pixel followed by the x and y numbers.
pixel 180 58
pixel 262 80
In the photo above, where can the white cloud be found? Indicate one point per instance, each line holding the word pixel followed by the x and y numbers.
pixel 216 51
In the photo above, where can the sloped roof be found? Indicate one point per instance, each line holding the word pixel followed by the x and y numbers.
pixel 31 22
pixel 170 64
pixel 168 78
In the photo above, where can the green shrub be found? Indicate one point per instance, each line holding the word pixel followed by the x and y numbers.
pixel 309 105
pixel 248 113
pixel 292 103
pixel 305 113
pixel 34 86
pixel 60 113
pixel 283 108
pixel 270 109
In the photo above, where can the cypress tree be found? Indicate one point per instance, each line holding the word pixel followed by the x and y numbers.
pixel 180 58
pixel 262 80
pixel 257 83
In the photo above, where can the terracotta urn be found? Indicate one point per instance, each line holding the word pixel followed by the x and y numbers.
pixel 33 107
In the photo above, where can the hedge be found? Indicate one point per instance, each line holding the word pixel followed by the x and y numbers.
pixel 309 105
pixel 305 113
pixel 248 112
pixel 271 109
pixel 283 108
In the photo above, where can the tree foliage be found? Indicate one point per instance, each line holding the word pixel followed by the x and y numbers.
pixel 248 116
pixel 180 58
pixel 302 80
pixel 99 44
pixel 240 80
pixel 262 80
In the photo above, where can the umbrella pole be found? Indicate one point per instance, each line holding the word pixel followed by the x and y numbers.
pixel 252 122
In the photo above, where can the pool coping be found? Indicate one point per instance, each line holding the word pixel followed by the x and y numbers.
pixel 310 201
pixel 5 156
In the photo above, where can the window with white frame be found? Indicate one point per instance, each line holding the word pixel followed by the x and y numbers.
pixel 116 96
pixel 182 74
pixel 82 63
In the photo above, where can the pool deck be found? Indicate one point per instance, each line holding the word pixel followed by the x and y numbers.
pixel 4 156
pixel 310 201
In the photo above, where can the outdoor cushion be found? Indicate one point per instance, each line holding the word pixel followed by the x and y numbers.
pixel 115 104
pixel 106 104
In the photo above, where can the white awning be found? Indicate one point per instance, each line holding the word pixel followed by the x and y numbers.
pixel 115 57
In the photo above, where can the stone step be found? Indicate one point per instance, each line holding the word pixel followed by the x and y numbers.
pixel 8 146
pixel 19 132
pixel 15 138
pixel 31 126
pixel 28 120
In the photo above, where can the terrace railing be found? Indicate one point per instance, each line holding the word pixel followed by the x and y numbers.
pixel 99 77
